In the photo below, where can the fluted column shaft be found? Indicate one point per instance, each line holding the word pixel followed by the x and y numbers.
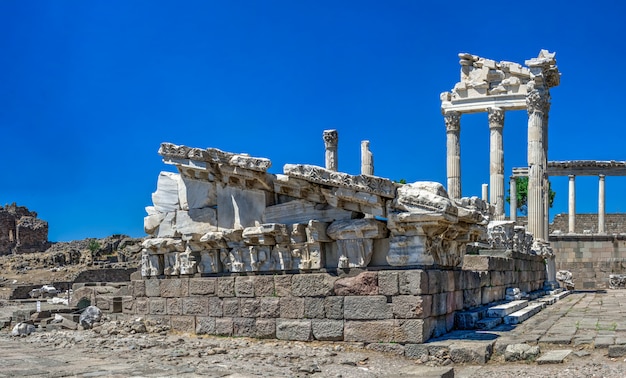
pixel 496 161
pixel 367 159
pixel 601 205
pixel 513 199
pixel 538 103
pixel 453 152
pixel 572 205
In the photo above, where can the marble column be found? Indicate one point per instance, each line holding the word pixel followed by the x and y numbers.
pixel 538 103
pixel 485 192
pixel 453 161
pixel 331 139
pixel 367 159
pixel 513 199
pixel 496 161
pixel 601 205
pixel 572 205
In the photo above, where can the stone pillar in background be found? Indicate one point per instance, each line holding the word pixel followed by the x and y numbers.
pixel 367 159
pixel 572 205
pixel 513 200
pixel 538 103
pixel 453 161
pixel 331 139
pixel 496 161
pixel 485 192
pixel 601 205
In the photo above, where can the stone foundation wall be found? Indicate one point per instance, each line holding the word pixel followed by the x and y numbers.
pixel 590 258
pixel 389 306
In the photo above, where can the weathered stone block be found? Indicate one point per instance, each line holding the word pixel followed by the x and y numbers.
pixel 244 287
pixel 186 324
pixel 435 281
pixel 269 307
pixel 417 351
pixel 174 306
pixel 224 326
pixel 139 288
pixel 157 306
pixel 266 328
pixel 478 263
pixel 458 300
pixel 299 330
pixel 264 286
pixel 312 285
pixel 291 307
pixel 448 277
pixel 365 308
pixel 244 327
pixel 141 306
pixel 313 307
pixel 388 283
pixel 413 282
pixel 205 325
pixel 250 307
pixel 369 331
pixel 153 287
pixel 411 306
pixel 226 287
pixel 215 306
pixel 282 285
pixel 365 283
pixel 196 306
pixel 202 286
pixel 440 304
pixel 327 330
pixel 230 307
pixel 173 288
pixel 409 331
pixel 333 307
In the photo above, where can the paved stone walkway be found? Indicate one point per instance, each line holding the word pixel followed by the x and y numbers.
pixel 582 321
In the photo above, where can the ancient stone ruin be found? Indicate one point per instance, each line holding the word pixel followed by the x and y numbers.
pixel 21 231
pixel 314 253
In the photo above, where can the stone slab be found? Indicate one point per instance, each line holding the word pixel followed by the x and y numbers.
pixel 554 356
pixel 423 372
pixel 523 314
pixel 505 309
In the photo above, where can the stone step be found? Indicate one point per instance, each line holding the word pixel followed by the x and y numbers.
pixel 548 300
pixel 525 313
pixel 555 291
pixel 488 323
pixel 562 294
pixel 505 309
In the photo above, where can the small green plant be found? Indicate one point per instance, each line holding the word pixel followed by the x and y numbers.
pixel 94 246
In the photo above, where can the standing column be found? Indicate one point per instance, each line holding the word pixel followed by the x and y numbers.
pixel 331 139
pixel 367 159
pixel 453 161
pixel 496 161
pixel 513 199
pixel 601 208
pixel 572 205
pixel 485 192
pixel 538 103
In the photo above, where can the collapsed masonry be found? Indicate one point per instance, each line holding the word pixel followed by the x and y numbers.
pixel 21 231
pixel 315 254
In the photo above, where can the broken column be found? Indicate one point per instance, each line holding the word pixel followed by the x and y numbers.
pixel 367 159
pixel 331 139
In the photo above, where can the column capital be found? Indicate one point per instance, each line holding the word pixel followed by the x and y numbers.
pixel 571 177
pixel 331 138
pixel 496 118
pixel 537 99
pixel 452 120
pixel 601 177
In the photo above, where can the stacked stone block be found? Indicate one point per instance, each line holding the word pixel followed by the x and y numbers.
pixel 388 306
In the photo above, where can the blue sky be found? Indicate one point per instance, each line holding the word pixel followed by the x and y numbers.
pixel 89 89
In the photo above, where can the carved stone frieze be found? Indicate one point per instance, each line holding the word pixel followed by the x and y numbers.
pixel 370 184
pixel 214 155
